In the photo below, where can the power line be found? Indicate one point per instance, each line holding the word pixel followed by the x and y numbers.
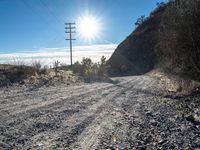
pixel 49 13
pixel 70 28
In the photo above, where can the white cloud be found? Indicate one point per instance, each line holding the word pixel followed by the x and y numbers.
pixel 48 55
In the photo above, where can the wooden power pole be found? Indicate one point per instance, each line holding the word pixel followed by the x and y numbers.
pixel 70 28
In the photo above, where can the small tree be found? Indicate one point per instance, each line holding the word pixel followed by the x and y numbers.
pixel 140 20
pixel 87 66
pixel 103 67
pixel 160 4
pixel 56 65
pixel 77 68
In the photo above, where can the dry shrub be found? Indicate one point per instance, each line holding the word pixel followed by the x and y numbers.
pixel 91 71
pixel 178 49
pixel 18 73
pixel 37 65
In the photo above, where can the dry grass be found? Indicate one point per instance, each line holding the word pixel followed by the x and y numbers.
pixel 173 83
pixel 22 74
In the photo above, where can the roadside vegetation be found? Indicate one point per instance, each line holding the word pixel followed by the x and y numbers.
pixel 178 49
pixel 86 71
pixel 91 71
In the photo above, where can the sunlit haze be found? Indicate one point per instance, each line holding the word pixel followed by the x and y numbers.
pixel 89 27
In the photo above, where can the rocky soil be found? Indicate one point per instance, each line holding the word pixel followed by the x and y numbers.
pixel 130 113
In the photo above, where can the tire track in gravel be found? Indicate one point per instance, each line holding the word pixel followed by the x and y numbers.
pixel 22 98
pixel 79 101
pixel 25 116
pixel 29 125
pixel 85 142
pixel 64 120
pixel 43 90
pixel 150 124
pixel 80 121
pixel 42 101
pixel 58 104
pixel 42 95
pixel 113 113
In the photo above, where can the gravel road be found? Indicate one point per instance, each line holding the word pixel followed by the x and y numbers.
pixel 131 113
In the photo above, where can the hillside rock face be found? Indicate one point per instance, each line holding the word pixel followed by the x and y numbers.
pixel 136 54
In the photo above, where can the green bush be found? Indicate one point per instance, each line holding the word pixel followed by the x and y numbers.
pixel 102 71
pixel 90 70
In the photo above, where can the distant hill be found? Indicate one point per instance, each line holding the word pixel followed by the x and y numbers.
pixel 168 40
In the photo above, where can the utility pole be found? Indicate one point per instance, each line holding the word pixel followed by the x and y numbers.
pixel 70 28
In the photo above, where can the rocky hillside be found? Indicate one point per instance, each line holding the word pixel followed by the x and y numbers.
pixel 167 40
pixel 136 55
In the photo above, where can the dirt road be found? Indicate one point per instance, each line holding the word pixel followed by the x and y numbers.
pixel 132 113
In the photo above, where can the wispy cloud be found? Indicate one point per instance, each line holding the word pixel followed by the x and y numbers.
pixel 48 55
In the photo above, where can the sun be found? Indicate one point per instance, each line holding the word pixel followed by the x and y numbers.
pixel 89 27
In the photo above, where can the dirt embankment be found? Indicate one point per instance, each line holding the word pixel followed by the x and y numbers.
pixel 31 76
pixel 132 113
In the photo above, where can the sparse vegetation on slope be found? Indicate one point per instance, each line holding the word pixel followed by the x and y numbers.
pixel 178 48
pixel 169 39
pixel 34 75
pixel 11 74
pixel 137 52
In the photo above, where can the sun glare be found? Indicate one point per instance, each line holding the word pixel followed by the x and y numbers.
pixel 89 27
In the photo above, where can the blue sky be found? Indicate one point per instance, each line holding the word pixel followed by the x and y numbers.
pixel 33 24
